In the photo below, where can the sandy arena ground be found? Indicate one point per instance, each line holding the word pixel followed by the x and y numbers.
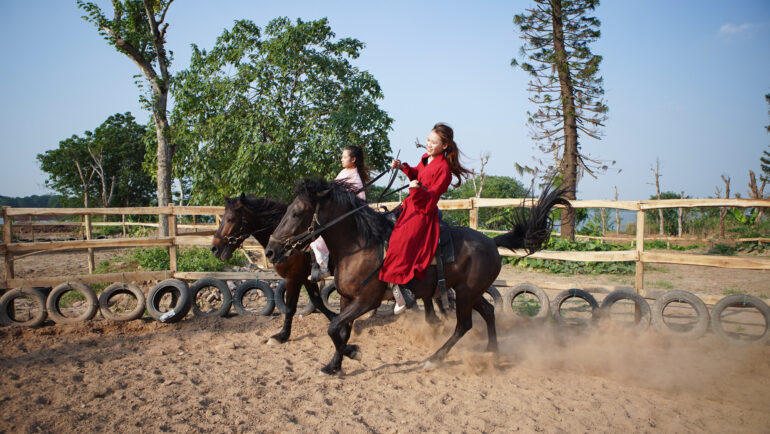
pixel 217 375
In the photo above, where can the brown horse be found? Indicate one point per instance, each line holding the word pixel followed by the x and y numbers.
pixel 354 244
pixel 247 216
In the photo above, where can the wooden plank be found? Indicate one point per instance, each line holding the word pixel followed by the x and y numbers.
pixel 205 240
pixel 199 210
pixel 617 256
pixel 7 240
pixel 743 263
pixel 692 203
pixel 96 244
pixel 90 251
pixel 473 218
pixel 172 250
pixel 455 204
pixel 144 210
pixel 621 204
pixel 231 275
pixel 639 274
pixel 137 276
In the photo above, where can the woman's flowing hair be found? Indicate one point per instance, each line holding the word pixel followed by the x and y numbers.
pixel 451 152
pixel 357 152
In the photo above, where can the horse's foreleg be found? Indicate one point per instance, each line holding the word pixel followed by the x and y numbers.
pixel 430 314
pixel 487 311
pixel 314 292
pixel 339 332
pixel 292 295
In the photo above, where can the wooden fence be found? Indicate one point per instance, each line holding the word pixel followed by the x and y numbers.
pixel 15 250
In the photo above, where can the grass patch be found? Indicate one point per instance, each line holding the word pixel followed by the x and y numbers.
pixel 570 267
pixel 192 259
pixel 731 292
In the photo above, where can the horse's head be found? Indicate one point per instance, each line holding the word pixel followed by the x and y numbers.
pixel 297 221
pixel 232 229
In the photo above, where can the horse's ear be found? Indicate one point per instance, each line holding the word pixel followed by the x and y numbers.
pixel 323 193
pixel 243 196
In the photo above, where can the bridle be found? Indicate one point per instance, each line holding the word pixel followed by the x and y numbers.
pixel 235 240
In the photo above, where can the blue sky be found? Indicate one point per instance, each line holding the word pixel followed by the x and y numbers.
pixel 685 82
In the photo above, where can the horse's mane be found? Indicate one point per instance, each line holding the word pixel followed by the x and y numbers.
pixel 373 226
pixel 269 210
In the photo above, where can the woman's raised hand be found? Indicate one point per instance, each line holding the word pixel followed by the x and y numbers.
pixel 395 164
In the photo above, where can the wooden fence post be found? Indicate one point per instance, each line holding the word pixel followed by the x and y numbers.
pixel 123 221
pixel 8 239
pixel 473 218
pixel 90 250
pixel 639 284
pixel 172 251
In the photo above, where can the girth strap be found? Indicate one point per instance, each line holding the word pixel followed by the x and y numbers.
pixel 441 279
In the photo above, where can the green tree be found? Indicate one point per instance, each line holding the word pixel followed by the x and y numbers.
pixel 138 30
pixel 566 86
pixel 257 112
pixel 105 163
pixel 670 216
pixel 765 160
pixel 489 218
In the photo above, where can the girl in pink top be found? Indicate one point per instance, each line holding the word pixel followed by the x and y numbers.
pixel 355 173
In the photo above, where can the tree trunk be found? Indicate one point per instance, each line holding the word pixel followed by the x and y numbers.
pixel 617 213
pixel 164 159
pixel 569 159
pixel 680 217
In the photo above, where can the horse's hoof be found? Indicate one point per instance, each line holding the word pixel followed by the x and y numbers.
pixel 327 371
pixel 430 365
pixel 273 341
pixel 357 355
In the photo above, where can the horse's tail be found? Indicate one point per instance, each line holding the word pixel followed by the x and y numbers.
pixel 532 228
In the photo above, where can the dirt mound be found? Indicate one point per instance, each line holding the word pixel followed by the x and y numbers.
pixel 218 375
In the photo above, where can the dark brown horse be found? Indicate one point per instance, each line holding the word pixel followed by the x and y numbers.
pixel 245 216
pixel 354 243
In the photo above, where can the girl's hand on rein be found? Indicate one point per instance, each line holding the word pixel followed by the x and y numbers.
pixel 395 164
pixel 414 183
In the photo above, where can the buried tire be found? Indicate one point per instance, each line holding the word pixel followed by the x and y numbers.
pixel 210 282
pixel 180 301
pixel 54 310
pixel 639 303
pixel 117 289
pixel 280 301
pixel 527 288
pixel 573 293
pixel 246 291
pixel 7 305
pixel 701 321
pixel 740 300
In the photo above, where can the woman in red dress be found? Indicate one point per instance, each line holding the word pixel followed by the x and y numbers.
pixel 415 235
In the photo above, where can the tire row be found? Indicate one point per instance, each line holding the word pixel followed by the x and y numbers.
pixel 171 300
pixel 645 315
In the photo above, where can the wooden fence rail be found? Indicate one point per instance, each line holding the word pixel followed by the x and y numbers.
pixel 14 250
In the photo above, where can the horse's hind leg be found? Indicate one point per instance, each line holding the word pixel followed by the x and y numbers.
pixel 292 295
pixel 430 314
pixel 487 312
pixel 464 323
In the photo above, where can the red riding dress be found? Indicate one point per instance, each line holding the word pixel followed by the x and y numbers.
pixel 415 236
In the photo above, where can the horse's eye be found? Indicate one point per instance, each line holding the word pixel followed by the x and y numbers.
pixel 295 215
pixel 229 220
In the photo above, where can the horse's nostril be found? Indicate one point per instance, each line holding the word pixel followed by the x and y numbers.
pixel 269 253
pixel 213 249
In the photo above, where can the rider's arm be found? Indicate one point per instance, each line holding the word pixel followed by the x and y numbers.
pixel 409 171
pixel 425 198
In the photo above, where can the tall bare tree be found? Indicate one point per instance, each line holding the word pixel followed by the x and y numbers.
pixel 656 174
pixel 566 86
pixel 723 210
pixel 757 192
pixel 138 30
